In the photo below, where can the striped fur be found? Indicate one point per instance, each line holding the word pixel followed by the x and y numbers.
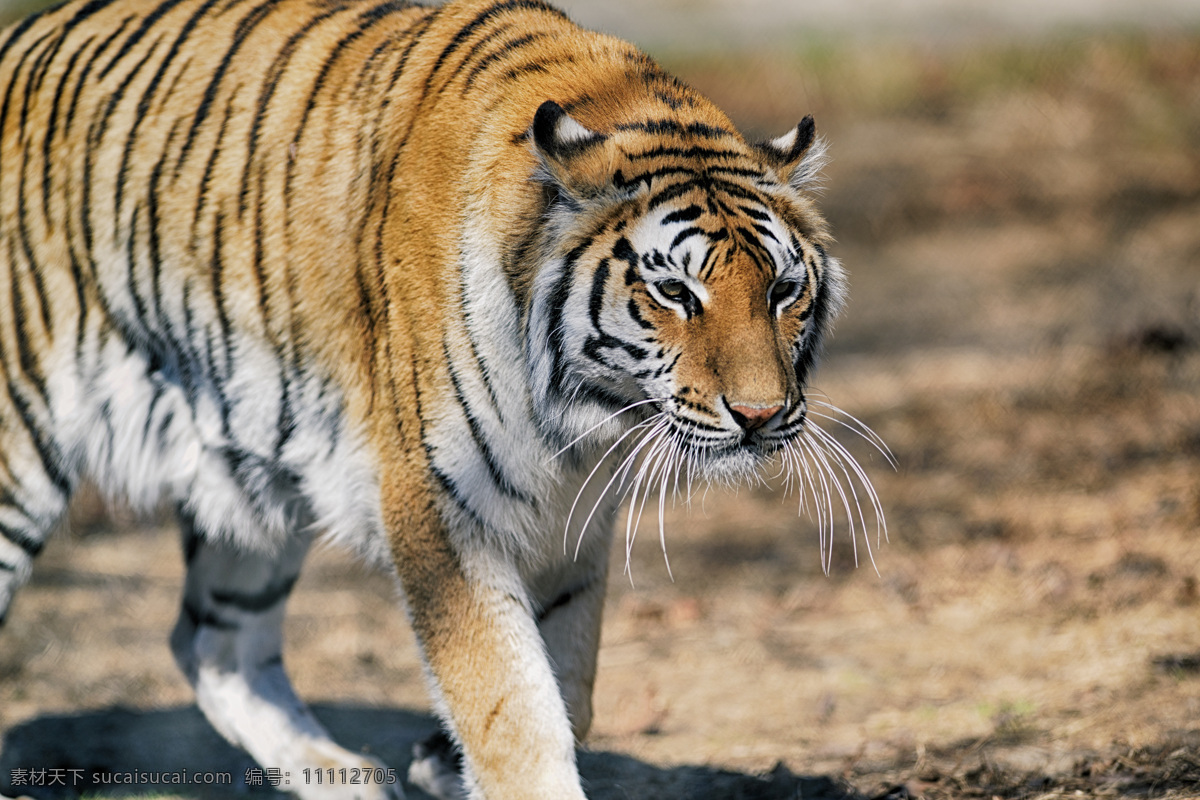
pixel 430 280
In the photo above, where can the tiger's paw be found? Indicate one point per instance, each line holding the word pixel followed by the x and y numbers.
pixel 437 768
pixel 333 773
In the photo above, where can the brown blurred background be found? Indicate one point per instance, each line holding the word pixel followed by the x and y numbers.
pixel 1015 188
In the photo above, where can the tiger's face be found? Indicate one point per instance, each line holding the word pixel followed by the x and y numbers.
pixel 693 292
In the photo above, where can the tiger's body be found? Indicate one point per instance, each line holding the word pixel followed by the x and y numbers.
pixel 406 276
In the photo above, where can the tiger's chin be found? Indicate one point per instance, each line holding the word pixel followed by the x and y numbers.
pixel 732 468
pixel 738 464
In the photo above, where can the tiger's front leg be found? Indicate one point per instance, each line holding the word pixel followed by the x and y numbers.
pixel 568 619
pixel 493 683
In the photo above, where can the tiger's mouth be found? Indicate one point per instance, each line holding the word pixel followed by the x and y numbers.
pixel 667 456
pixel 735 436
pixel 670 445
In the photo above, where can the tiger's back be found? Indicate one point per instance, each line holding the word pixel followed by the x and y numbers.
pixel 407 276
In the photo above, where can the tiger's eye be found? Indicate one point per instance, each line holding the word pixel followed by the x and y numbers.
pixel 674 290
pixel 782 290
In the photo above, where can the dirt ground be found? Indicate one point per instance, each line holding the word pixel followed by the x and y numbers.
pixel 1022 227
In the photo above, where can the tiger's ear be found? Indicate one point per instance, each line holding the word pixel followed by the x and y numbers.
pixel 797 156
pixel 569 151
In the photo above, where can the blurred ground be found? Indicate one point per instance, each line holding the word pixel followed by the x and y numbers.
pixel 1021 220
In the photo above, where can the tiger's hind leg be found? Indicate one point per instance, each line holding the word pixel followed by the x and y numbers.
pixel 228 641
pixel 33 498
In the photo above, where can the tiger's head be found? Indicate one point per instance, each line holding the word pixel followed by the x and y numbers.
pixel 686 285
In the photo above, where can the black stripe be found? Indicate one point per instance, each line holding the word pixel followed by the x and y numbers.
pixel 153 240
pixel 368 72
pixel 708 265
pixel 37 73
pixel 14 83
pixel 475 48
pixel 707 184
pixel 596 298
pixel 139 304
pixel 538 67
pixel 82 15
pixel 6 567
pixel 601 397
pixel 159 390
pixel 96 133
pixel 688 214
pixel 620 180
pixel 384 311
pixel 52 127
pixel 39 283
pixel 686 234
pixel 451 488
pixel 595 345
pixel 413 35
pixel 636 314
pixel 737 172
pixel 752 243
pixel 495 470
pixel 26 356
pixel 168 94
pixel 496 33
pixel 270 85
pixel 625 252
pixel 285 423
pixel 556 302
pixel 202 197
pixel 605 340
pixel 87 70
pixel 563 600
pixel 201 618
pixel 217 269
pixel 148 22
pixel 505 49
pixel 739 191
pixel 191 538
pixel 367 21
pixel 24 541
pixel 482 18
pixel 256 602
pixel 287 353
pixel 147 97
pixel 245 27
pixel 669 366
pixel 670 126
pixel 185 350
pixel 485 372
pixel 695 152
pixel 15 33
pixel 77 281
pixel 765 231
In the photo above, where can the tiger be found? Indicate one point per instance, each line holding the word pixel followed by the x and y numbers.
pixel 442 284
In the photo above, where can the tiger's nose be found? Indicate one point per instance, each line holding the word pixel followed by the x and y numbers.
pixel 753 417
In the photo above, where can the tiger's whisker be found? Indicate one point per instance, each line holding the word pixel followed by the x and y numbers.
pixel 833 452
pixel 599 424
pixel 859 428
pixel 567 527
pixel 645 475
pixel 847 459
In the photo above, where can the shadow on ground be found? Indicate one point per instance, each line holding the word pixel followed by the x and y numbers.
pixel 120 752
